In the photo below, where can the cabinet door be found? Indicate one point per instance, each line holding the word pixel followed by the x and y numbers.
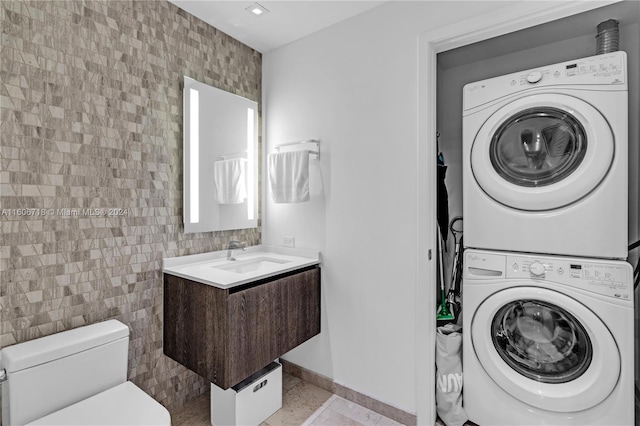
pixel 270 319
pixel 301 318
pixel 195 327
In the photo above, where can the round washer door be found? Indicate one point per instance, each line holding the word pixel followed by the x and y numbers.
pixel 545 349
pixel 542 152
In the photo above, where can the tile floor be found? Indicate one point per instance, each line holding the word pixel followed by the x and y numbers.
pixel 302 404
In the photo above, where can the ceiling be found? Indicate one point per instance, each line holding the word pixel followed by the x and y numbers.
pixel 625 12
pixel 286 21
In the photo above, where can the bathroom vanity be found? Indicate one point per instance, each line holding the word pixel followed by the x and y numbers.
pixel 226 319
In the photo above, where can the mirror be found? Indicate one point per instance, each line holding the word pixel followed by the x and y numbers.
pixel 220 139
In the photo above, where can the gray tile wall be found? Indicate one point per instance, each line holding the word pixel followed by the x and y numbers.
pixel 91 109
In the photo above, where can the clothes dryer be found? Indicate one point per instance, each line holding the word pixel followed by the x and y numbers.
pixel 545 159
pixel 547 340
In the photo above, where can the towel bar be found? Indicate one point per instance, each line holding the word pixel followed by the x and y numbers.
pixel 315 141
pixel 232 154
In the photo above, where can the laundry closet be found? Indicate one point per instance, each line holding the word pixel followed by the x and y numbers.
pixel 555 42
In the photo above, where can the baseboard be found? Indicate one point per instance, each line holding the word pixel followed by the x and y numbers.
pixel 327 384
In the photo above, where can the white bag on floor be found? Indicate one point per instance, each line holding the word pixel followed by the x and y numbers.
pixel 449 375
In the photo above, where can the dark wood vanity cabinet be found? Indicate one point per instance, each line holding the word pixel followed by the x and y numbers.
pixel 225 335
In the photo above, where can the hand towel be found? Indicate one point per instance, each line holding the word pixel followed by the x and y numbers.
pixel 289 176
pixel 230 182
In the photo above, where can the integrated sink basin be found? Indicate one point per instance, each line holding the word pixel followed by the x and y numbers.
pixel 261 263
pixel 256 263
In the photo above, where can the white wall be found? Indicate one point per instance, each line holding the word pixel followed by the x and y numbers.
pixel 355 86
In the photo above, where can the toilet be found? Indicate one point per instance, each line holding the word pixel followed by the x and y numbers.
pixel 76 377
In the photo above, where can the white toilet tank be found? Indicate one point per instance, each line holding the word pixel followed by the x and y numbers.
pixel 47 374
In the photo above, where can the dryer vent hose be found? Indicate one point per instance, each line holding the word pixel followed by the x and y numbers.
pixel 608 37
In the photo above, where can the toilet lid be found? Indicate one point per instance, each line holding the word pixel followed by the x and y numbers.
pixel 125 404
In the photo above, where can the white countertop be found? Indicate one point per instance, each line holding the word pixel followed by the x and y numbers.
pixel 214 269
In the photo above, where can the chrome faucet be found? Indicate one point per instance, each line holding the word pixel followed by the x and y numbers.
pixel 232 246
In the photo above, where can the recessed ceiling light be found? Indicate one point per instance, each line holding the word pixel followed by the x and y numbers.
pixel 257 9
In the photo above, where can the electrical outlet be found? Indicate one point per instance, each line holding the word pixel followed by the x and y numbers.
pixel 289 241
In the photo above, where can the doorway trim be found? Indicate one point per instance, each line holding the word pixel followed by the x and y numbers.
pixel 514 17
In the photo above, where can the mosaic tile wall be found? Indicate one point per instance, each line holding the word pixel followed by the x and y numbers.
pixel 91 168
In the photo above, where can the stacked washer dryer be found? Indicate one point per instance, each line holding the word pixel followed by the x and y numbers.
pixel 548 299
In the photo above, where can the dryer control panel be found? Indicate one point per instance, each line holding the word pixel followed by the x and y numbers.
pixel 608 278
pixel 604 70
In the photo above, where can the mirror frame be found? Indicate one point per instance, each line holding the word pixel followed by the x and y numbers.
pixel 230 129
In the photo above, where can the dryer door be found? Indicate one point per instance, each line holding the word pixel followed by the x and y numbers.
pixel 545 348
pixel 542 152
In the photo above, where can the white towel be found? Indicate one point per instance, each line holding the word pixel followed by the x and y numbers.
pixel 289 176
pixel 230 182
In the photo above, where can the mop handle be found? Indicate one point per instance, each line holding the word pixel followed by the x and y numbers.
pixel 456 232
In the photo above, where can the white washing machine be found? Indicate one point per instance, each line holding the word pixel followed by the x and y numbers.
pixel 547 340
pixel 545 159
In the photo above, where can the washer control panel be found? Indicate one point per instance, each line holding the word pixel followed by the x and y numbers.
pixel 609 278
